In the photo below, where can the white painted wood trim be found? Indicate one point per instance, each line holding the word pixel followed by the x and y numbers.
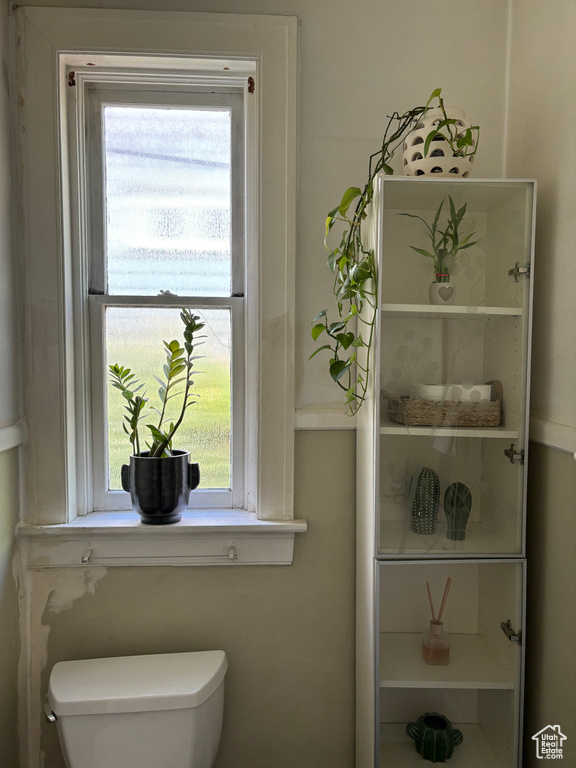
pixel 270 43
pixel 13 436
pixel 558 436
pixel 201 538
pixel 324 416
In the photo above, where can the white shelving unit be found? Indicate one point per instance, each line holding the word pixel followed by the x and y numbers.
pixel 484 336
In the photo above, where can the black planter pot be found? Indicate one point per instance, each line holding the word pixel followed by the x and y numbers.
pixel 160 487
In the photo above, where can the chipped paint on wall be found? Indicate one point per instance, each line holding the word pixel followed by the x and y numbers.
pixel 41 593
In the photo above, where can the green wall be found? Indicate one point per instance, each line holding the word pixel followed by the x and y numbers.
pixel 9 642
pixel 551 615
pixel 288 631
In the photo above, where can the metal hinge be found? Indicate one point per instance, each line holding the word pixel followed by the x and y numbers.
pixel 71 79
pixel 518 270
pixel 251 86
pixel 513 454
pixel 514 637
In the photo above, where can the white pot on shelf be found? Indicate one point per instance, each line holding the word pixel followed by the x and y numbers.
pixel 441 293
pixel 440 160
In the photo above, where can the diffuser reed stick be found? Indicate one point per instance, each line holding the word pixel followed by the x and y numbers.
pixel 430 598
pixel 446 590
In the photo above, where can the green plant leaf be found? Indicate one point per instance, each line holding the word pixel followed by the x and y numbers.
pixel 317 330
pixel 351 194
pixel 335 328
pixel 324 346
pixel 345 339
pixel 437 217
pixel 338 368
pixel 434 95
pixel 422 252
pixel 429 139
pixel 330 221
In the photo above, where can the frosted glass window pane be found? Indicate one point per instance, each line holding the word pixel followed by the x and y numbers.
pixel 167 197
pixel 134 338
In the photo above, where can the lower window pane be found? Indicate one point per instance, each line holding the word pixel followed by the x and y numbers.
pixel 134 337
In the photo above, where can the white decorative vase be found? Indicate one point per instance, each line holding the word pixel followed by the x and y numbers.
pixel 440 160
pixel 441 293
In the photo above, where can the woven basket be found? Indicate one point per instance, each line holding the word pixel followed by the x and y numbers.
pixel 449 413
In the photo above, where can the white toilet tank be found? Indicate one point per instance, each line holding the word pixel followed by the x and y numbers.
pixel 158 711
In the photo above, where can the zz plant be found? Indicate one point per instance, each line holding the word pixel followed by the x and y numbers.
pixel 353 265
pixel 178 370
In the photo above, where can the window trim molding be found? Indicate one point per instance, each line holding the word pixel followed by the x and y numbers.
pixel 270 41
pixel 84 117
pixel 208 537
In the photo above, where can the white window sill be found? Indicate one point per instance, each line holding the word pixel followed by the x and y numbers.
pixel 207 537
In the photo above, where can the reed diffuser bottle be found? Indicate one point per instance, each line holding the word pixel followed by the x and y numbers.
pixel 436 645
pixel 435 642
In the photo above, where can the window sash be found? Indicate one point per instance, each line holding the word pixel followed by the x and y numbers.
pixel 96 97
pixel 105 499
pixel 92 235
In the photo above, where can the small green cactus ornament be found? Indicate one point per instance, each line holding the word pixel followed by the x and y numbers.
pixel 424 500
pixel 434 737
pixel 457 506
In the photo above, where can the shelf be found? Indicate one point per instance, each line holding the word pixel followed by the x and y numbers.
pixel 430 312
pixel 471 665
pixel 502 433
pixel 401 540
pixel 425 192
pixel 397 750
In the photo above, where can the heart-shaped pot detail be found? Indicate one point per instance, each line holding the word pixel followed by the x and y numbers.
pixel 441 293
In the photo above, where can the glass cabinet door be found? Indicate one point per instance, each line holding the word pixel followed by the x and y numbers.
pixel 453 377
pixel 476 686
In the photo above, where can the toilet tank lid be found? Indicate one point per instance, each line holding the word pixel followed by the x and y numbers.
pixel 135 683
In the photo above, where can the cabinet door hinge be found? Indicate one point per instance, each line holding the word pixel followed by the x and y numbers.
pixel 513 454
pixel 518 270
pixel 514 637
pixel 71 79
pixel 251 85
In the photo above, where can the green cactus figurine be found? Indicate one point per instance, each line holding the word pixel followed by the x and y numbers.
pixel 435 737
pixel 424 500
pixel 457 505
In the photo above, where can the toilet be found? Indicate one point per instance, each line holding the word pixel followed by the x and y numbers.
pixel 139 711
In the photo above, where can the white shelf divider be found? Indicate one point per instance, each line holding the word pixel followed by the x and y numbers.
pixel 431 312
pixel 397 750
pixel 502 433
pixel 471 665
pixel 401 540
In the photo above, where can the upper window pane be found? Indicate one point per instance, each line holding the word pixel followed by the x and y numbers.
pixel 167 197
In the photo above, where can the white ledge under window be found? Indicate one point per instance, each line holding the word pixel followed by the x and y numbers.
pixel 207 537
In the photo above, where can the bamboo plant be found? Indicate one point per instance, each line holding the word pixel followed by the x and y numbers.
pixel 445 243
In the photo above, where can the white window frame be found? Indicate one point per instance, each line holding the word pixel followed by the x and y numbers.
pixel 50 41
pixel 93 91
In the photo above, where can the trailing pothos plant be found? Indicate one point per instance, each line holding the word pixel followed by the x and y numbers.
pixel 178 370
pixel 353 264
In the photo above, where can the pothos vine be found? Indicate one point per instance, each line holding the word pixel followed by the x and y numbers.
pixel 354 266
